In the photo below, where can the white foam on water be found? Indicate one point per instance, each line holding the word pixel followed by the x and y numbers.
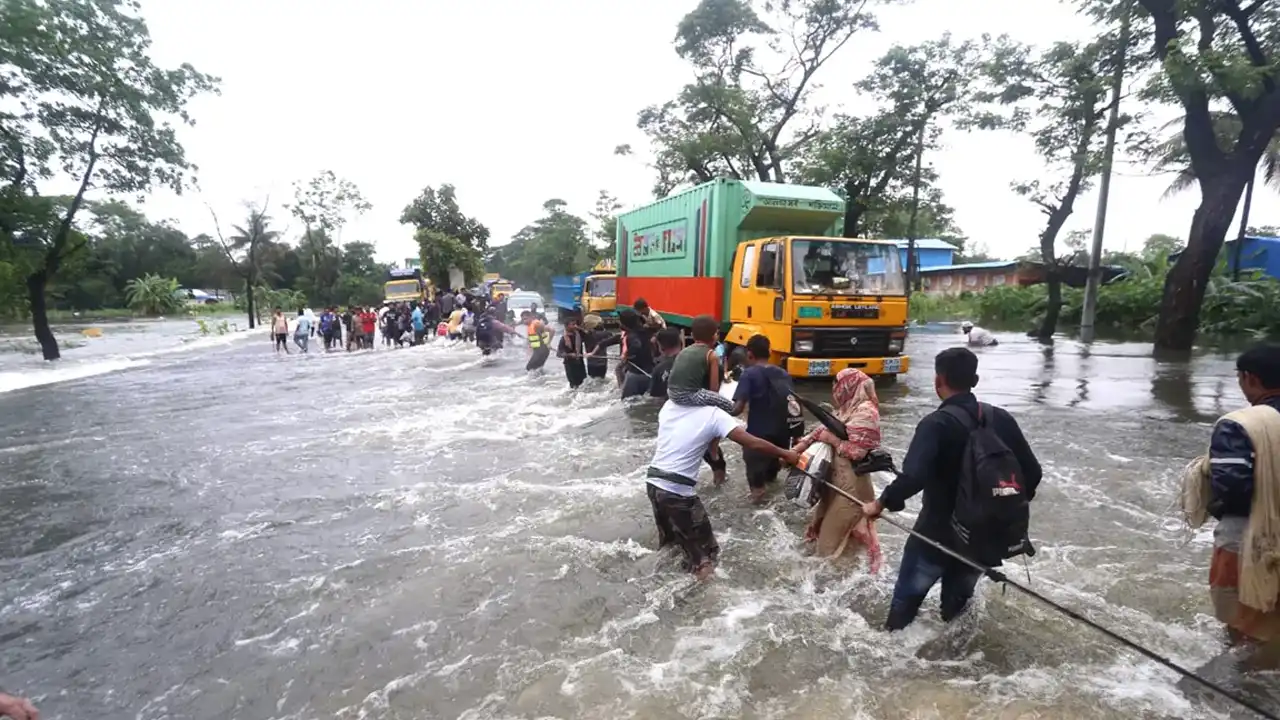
pixel 56 373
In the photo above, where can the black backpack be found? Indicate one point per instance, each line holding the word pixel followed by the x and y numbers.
pixel 992 512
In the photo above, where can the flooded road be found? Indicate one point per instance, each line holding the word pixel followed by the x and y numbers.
pixel 221 532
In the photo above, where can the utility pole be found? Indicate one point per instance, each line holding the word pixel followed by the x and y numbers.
pixel 1090 310
pixel 913 266
pixel 1244 228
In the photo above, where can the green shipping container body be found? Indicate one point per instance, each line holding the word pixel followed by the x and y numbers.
pixel 677 253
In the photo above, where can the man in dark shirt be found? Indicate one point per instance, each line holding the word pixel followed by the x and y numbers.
pixel 932 465
pixel 670 345
pixel 762 392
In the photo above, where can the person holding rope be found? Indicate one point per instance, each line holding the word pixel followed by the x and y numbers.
pixel 955 448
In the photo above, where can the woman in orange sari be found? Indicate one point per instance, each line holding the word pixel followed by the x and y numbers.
pixel 838 525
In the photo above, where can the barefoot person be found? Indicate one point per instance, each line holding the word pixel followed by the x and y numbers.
pixel 280 331
pixel 684 432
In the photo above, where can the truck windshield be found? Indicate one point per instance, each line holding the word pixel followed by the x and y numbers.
pixel 845 267
pixel 602 287
pixel 401 287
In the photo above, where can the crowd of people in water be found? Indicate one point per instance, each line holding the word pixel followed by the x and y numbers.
pixel 970 461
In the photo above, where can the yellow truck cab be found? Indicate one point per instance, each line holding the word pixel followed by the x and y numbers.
pixel 825 304
pixel 769 259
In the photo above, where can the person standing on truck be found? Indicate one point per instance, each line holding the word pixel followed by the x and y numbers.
pixel 571 351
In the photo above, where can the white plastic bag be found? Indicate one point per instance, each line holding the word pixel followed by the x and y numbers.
pixel 802 489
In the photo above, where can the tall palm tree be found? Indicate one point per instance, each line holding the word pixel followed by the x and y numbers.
pixel 250 237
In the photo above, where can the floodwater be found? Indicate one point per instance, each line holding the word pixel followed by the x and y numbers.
pixel 206 530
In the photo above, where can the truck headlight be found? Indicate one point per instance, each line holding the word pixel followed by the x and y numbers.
pixel 895 345
pixel 804 346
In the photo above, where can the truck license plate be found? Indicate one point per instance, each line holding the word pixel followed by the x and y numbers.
pixel 892 365
pixel 819 368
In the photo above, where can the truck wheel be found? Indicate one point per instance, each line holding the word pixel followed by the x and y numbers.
pixel 886 380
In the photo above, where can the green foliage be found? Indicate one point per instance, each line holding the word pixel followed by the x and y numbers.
pixel 153 294
pixel 438 212
pixel 1215 57
pixel 84 102
pixel 1250 306
pixel 753 81
pixel 439 252
pixel 556 244
pixel 870 160
pixel 324 205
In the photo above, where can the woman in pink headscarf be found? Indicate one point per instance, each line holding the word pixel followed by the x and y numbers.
pixel 838 525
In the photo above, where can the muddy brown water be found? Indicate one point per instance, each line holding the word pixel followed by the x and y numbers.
pixel 411 534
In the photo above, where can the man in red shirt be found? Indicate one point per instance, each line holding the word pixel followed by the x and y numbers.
pixel 368 324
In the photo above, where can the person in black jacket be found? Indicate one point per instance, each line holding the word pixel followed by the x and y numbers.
pixel 932 466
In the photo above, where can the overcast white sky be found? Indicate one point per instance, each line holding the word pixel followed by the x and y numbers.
pixel 518 102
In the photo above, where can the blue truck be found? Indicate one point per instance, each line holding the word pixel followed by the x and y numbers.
pixel 593 292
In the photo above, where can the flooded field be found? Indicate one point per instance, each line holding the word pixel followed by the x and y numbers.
pixel 196 528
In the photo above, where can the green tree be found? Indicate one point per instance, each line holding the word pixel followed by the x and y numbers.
pixel 753 82
pixel 440 252
pixel 870 161
pixel 324 204
pixel 153 295
pixel 1059 97
pixel 438 211
pixel 1160 246
pixel 1213 53
pixel 358 261
pixel 244 251
pixel 83 98
pixel 605 217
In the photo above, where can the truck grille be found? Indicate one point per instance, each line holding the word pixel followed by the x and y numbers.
pixel 839 342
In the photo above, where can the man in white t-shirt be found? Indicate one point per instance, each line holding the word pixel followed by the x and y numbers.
pixel 978 337
pixel 684 432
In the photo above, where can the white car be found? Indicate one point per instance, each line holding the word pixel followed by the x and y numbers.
pixel 522 300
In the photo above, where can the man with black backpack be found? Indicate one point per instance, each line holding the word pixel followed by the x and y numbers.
pixel 978 476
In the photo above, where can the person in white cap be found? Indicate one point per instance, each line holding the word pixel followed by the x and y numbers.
pixel 978 337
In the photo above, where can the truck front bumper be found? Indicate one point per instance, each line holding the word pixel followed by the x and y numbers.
pixel 828 367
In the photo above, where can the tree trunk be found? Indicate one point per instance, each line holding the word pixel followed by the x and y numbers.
pixel 248 298
pixel 1053 308
pixel 40 316
pixel 1187 280
pixel 853 212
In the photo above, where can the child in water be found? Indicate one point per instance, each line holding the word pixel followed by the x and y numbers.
pixel 695 375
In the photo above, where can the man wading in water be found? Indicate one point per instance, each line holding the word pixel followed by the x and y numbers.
pixel 684 432
pixel 1238 483
pixel 933 464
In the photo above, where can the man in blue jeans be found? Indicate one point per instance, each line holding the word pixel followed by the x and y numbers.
pixel 932 466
